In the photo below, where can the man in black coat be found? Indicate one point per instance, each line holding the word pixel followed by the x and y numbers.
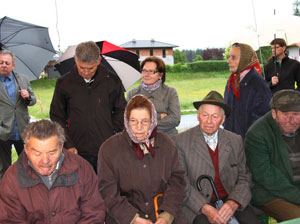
pixel 281 72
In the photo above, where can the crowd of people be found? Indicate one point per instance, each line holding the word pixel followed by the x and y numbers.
pixel 102 159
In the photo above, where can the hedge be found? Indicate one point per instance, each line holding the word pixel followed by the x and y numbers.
pixel 200 66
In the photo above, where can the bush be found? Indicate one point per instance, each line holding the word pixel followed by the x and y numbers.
pixel 208 66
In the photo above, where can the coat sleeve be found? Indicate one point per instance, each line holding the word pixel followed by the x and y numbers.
pixel 11 210
pixel 91 205
pixel 25 84
pixel 264 172
pixel 262 100
pixel 241 190
pixel 118 102
pixel 172 119
pixel 194 200
pixel 174 194
pixel 59 111
pixel 117 206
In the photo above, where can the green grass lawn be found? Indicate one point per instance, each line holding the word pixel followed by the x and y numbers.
pixel 190 87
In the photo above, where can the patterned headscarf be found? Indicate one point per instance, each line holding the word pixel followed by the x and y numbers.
pixel 147 145
pixel 248 60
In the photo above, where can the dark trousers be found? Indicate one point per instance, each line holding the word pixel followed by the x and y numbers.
pixel 5 153
pixel 244 217
pixel 91 159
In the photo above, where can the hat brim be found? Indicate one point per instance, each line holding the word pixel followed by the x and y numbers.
pixel 224 106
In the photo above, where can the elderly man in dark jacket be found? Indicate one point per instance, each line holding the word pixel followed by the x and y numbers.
pixel 48 184
pixel 273 155
pixel 89 103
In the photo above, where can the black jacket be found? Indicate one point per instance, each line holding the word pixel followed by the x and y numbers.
pixel 90 113
pixel 288 74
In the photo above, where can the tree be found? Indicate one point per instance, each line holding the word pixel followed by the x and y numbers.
pixel 179 57
pixel 213 54
pixel 296 8
pixel 198 58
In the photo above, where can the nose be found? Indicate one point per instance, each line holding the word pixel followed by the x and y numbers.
pixel 45 158
pixel 209 119
pixel 139 125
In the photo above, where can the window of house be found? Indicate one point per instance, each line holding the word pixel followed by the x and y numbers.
pixel 151 52
pixel 164 53
pixel 137 52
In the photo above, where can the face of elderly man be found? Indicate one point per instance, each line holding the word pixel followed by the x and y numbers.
pixel 288 122
pixel 43 154
pixel 210 118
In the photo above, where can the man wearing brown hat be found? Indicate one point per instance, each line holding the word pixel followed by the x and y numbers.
pixel 246 92
pixel 207 149
pixel 281 72
pixel 272 147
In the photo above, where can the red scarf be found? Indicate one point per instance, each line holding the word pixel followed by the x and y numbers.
pixel 137 149
pixel 234 80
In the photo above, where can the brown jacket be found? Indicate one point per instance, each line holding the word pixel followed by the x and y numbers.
pixel 128 185
pixel 73 198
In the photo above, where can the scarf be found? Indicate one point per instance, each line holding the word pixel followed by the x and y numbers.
pixel 142 147
pixel 248 60
pixel 151 88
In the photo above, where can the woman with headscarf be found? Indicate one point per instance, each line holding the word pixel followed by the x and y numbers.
pixel 246 92
pixel 136 165
pixel 164 98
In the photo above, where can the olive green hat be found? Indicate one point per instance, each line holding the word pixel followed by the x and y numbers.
pixel 286 100
pixel 214 98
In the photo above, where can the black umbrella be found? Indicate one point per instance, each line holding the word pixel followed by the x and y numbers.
pixel 219 202
pixel 117 60
pixel 30 44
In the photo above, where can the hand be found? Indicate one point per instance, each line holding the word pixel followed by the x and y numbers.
pixel 275 80
pixel 24 93
pixel 212 214
pixel 163 115
pixel 161 221
pixel 228 209
pixel 139 220
pixel 74 150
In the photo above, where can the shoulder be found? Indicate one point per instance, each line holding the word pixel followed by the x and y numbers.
pixel 231 136
pixel 169 89
pixel 21 77
pixel 113 143
pixel 186 135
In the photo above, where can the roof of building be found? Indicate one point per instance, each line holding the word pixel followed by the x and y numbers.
pixel 146 44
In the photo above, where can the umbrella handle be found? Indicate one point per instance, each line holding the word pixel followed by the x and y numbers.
pixel 209 178
pixel 156 204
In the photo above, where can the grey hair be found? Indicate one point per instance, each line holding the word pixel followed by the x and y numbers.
pixel 10 53
pixel 44 129
pixel 87 52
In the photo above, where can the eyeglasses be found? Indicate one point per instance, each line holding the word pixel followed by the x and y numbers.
pixel 151 72
pixel 143 122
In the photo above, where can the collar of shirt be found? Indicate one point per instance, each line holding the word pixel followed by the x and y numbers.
pixel 243 74
pixel 211 140
pixel 3 78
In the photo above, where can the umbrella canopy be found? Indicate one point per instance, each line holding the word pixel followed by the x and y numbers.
pixel 285 27
pixel 30 44
pixel 219 203
pixel 117 60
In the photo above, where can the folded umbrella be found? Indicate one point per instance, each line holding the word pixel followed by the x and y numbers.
pixel 117 60
pixel 219 203
pixel 30 44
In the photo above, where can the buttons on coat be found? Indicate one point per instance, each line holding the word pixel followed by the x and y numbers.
pixel 147 203
pixel 144 165
pixel 53 213
pixel 146 216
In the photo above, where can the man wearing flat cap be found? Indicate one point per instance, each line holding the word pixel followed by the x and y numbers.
pixel 272 146
pixel 207 149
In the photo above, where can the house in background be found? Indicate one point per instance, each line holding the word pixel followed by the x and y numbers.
pixel 294 51
pixel 146 48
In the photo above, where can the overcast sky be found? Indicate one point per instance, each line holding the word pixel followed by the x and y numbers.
pixel 190 24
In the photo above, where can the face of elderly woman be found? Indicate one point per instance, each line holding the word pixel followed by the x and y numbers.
pixel 150 75
pixel 139 121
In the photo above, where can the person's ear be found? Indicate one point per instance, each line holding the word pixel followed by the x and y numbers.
pixel 274 115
